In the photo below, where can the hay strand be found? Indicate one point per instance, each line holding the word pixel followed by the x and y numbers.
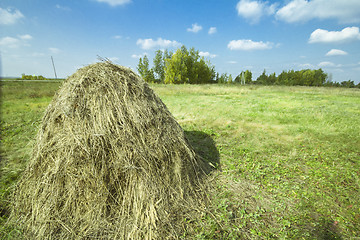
pixel 110 162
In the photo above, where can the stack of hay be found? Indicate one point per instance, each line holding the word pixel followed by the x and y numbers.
pixel 110 162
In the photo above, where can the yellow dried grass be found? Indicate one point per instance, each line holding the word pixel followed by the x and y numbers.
pixel 109 162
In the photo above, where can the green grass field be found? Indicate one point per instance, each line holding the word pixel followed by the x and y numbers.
pixel 288 157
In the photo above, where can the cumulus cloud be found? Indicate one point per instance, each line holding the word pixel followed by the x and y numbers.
pixel 9 16
pixel 54 50
pixel 195 28
pixel 305 10
pixel 207 54
pixel 345 35
pixel 139 55
pixel 150 43
pixel 26 37
pixel 64 8
pixel 306 65
pixel 254 10
pixel 246 45
pixel 328 64
pixel 212 30
pixel 9 42
pixel 336 52
pixel 115 3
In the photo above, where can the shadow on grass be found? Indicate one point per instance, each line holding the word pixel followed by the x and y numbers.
pixel 327 230
pixel 204 146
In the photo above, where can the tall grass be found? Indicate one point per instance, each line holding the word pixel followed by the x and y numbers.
pixel 289 156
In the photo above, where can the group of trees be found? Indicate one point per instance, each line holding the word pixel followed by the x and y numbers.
pixel 187 66
pixel 183 66
pixel 346 84
pixel 305 77
pixel 32 77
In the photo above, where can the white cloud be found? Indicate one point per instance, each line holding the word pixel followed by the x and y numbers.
pixel 9 42
pixel 254 10
pixel 9 16
pixel 336 52
pixel 195 28
pixel 139 56
pixel 207 54
pixel 54 50
pixel 118 37
pixel 232 62
pixel 345 35
pixel 136 56
pixel 64 8
pixel 12 42
pixel 115 3
pixel 26 37
pixel 212 30
pixel 246 45
pixel 306 65
pixel 329 64
pixel 305 10
pixel 150 43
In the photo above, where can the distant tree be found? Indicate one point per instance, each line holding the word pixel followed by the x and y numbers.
pixel 223 78
pixel 244 76
pixel 159 66
pixel 248 77
pixel 230 79
pixel 167 54
pixel 348 84
pixel 150 78
pixel 175 70
pixel 262 79
pixel 144 71
pixel 143 66
pixel 186 66
pixel 320 77
pixel 217 76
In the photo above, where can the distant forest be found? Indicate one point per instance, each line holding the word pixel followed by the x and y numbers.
pixel 187 66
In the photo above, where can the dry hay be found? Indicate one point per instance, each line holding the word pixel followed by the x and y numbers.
pixel 110 162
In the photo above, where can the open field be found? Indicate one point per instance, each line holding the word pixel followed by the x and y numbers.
pixel 288 157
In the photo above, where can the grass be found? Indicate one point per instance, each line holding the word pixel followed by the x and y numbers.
pixel 289 157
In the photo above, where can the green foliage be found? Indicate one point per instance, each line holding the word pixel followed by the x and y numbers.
pixel 184 66
pixel 224 78
pixel 159 66
pixel 244 77
pixel 348 84
pixel 32 77
pixel 176 71
pixel 144 71
pixel 262 79
pixel 305 77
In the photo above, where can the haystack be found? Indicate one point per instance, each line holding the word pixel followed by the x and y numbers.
pixel 110 162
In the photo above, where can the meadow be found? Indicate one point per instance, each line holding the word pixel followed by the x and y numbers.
pixel 287 158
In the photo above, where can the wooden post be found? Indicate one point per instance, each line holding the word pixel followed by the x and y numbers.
pixel 52 60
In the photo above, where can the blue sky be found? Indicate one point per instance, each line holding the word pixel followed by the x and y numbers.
pixel 234 35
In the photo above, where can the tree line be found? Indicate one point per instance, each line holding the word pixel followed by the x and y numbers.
pixel 32 77
pixel 187 66
pixel 306 77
